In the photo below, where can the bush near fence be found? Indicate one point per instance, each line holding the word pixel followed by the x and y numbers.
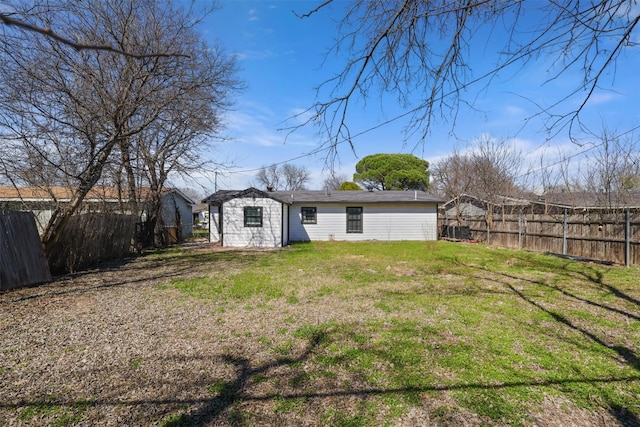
pixel 22 260
pixel 597 235
pixel 91 238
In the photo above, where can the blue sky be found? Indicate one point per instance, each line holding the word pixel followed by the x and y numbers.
pixel 284 58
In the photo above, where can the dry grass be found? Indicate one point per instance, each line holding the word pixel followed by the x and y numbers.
pixel 122 346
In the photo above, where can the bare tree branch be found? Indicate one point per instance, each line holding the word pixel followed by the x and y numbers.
pixel 48 32
pixel 311 12
pixel 420 52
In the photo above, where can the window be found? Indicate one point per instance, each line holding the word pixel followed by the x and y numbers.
pixel 354 220
pixel 253 216
pixel 309 215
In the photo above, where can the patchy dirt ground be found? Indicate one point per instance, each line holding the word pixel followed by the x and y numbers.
pixel 118 347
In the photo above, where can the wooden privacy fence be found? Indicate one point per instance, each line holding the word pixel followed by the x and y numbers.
pixel 91 238
pixel 22 260
pixel 611 237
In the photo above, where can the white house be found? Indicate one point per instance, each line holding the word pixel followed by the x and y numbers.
pixel 272 219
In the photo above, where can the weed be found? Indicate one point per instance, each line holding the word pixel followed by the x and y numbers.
pixel 175 420
pixel 137 362
pixel 336 418
pixel 284 348
pixel 57 413
pixel 287 405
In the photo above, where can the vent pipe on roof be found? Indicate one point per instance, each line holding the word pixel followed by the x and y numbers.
pixel 415 195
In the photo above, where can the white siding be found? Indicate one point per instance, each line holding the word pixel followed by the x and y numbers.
pixel 214 224
pixel 234 233
pixel 285 225
pixel 398 221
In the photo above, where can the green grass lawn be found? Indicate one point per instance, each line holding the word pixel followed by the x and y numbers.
pixel 489 332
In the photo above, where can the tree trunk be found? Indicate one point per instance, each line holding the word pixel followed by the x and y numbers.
pixel 61 215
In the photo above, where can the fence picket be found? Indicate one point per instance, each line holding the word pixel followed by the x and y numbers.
pixel 612 236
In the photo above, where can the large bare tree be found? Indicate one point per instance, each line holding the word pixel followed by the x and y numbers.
pixel 79 111
pixel 488 170
pixel 614 170
pixel 334 181
pixel 421 52
pixel 287 177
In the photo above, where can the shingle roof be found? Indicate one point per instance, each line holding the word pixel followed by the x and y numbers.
pixel 222 196
pixel 572 200
pixel 310 196
pixel 57 193
pixel 64 194
pixel 589 199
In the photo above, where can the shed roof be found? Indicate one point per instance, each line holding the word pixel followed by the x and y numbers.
pixel 319 196
pixel 221 196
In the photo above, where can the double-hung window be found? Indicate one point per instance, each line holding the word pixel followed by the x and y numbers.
pixel 253 216
pixel 309 215
pixel 354 220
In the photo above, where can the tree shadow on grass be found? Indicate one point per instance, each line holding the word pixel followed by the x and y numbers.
pixel 627 354
pixel 630 357
pixel 585 271
pixel 224 406
pixel 221 408
pixel 231 393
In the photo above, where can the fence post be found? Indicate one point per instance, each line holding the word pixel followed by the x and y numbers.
pixel 564 234
pixel 520 230
pixel 627 239
pixel 488 234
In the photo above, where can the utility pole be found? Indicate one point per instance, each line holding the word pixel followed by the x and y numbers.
pixel 215 182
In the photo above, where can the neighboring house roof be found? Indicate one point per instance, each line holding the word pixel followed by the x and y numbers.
pixel 571 200
pixel 187 199
pixel 466 209
pixel 64 194
pixel 310 196
pixel 591 199
pixel 495 200
pixel 200 207
pixel 55 193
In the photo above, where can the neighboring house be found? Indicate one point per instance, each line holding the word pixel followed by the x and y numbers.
pixel 467 205
pixel 588 200
pixel 42 201
pixel 201 215
pixel 177 211
pixel 272 219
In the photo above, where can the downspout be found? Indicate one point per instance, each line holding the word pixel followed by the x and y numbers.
pixel 221 225
pixel 210 216
pixel 438 228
